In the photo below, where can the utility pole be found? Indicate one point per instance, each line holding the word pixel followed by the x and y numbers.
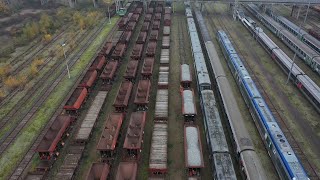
pixel 65 57
pixel 294 58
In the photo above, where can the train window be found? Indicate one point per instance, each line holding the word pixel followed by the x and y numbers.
pixel 289 153
pixel 279 135
pixel 282 140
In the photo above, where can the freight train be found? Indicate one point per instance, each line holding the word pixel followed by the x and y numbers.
pixel 247 158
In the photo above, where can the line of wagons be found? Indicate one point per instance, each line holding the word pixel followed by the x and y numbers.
pixel 49 147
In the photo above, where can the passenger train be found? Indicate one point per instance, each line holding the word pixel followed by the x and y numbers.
pixel 248 161
pixel 310 56
pixel 307 86
pixel 280 151
pixel 298 32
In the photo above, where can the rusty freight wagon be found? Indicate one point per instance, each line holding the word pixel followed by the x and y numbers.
pixel 159 9
pixel 166 30
pixel 131 26
pixel 52 141
pixel 147 67
pixel 98 171
pixel 161 107
pixel 157 17
pixel 165 42
pixel 123 23
pixel 126 36
pixel 163 80
pixel 156 25
pixel 121 102
pixel 158 151
pixel 164 57
pixel 150 11
pixel 185 76
pixel 145 26
pixel 154 35
pixel 135 17
pixel 137 51
pixel 83 134
pixel 98 63
pixel 108 47
pixel 89 79
pixel 131 71
pixel 109 72
pixel 193 150
pixel 167 19
pixel 76 100
pixel 109 137
pixel 119 51
pixel 142 38
pixel 127 171
pixel 148 18
pixel 134 136
pixel 151 48
pixel 143 93
pixel 188 104
pixel 138 10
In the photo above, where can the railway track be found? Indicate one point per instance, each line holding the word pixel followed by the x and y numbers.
pixel 294 144
pixel 11 136
pixel 182 53
pixel 27 159
pixel 7 99
pixel 44 86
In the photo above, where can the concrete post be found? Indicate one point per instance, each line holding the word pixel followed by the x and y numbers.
pixel 71 3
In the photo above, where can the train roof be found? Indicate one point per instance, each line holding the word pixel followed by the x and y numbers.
pixel 311 86
pixel 143 91
pixel 195 42
pixel 213 122
pixel 185 73
pixel 158 151
pixel 226 42
pixel 192 144
pixel 188 12
pixel 191 25
pixel 201 67
pixel 223 166
pixel 189 107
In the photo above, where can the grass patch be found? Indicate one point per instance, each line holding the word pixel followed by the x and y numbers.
pixel 15 152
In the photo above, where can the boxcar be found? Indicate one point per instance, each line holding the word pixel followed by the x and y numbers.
pixel 126 36
pixel 165 42
pixel 163 80
pixel 145 26
pixel 148 18
pixel 137 51
pixel 127 170
pixel 156 25
pixel 108 47
pixel 157 17
pixel 164 57
pixel 161 107
pixel 185 76
pixel 166 30
pixel 131 26
pixel 188 104
pixel 167 19
pixel 98 63
pixel 119 51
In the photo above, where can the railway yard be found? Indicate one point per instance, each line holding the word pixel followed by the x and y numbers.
pixel 167 91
